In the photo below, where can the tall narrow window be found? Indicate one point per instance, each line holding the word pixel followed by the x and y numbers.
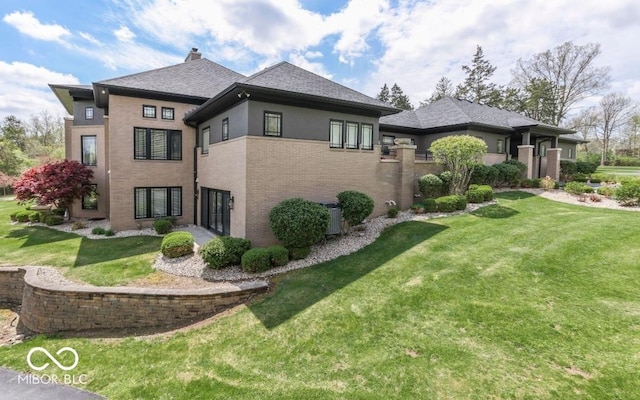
pixel 151 202
pixel 570 155
pixel 225 129
pixel 158 144
pixel 206 132
pixel 168 113
pixel 89 150
pixel 272 123
pixel 335 134
pixel 88 113
pixel 542 152
pixel 149 111
pixel 366 141
pixel 352 135
pixel 90 201
pixel 500 146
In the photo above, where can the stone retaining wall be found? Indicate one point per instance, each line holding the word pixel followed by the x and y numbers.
pixel 47 308
pixel 11 285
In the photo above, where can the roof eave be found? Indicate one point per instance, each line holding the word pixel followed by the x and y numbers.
pixel 103 91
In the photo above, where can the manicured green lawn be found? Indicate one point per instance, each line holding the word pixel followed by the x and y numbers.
pixel 625 171
pixel 526 299
pixel 100 262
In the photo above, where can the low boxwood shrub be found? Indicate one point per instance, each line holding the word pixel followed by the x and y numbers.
pixel 35 216
pixel 430 205
pixel 162 225
pixel 447 204
pixel 109 232
pixel 431 186
pixel 392 212
pixel 507 174
pixel 487 192
pixel 356 206
pixel 606 191
pixel 446 177
pixel 594 180
pixel 98 230
pixel 53 219
pixel 299 223
pixel 223 251
pixel 58 211
pixel 628 193
pixel 12 216
pixel 575 188
pixel 461 201
pixel 256 260
pixel 586 167
pixel 23 216
pixel 279 255
pixel 475 196
pixel 579 177
pixel 299 253
pixel 177 244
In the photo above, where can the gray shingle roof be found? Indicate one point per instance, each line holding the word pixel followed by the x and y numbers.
pixel 198 78
pixel 290 78
pixel 449 111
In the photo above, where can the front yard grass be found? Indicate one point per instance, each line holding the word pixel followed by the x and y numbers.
pixel 104 262
pixel 525 299
pixel 621 171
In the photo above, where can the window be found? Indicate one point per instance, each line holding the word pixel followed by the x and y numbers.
pixel 89 150
pixel 335 133
pixel 272 123
pixel 151 202
pixel 225 129
pixel 88 113
pixel 351 139
pixel 167 113
pixel 500 146
pixel 366 140
pixel 570 152
pixel 157 144
pixel 90 201
pixel 542 152
pixel 149 111
pixel 206 133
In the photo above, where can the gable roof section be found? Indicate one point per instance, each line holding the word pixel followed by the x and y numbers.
pixel 196 78
pixel 455 112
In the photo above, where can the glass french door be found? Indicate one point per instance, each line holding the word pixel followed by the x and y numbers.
pixel 215 211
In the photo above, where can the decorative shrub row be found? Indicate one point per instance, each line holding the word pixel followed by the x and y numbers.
pixel 433 186
pixel 504 173
pixel 223 251
pixel 262 259
pixel 299 223
pixel 177 244
pixel 451 203
pixel 577 188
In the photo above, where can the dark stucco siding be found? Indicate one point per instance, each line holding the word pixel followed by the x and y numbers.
pixel 237 123
pixel 79 114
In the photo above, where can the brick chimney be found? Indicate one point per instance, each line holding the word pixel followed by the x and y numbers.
pixel 193 55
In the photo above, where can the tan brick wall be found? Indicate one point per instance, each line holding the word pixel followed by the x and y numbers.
pixel 125 113
pixel 225 168
pixel 493 158
pixel 11 285
pixel 278 169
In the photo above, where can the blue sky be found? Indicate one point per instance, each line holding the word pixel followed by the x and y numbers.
pixel 359 43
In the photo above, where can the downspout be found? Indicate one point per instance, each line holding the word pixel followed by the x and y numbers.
pixel 195 173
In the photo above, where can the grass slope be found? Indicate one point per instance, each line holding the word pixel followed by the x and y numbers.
pixel 525 299
pixel 616 170
pixel 100 262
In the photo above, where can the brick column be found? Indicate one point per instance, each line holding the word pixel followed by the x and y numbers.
pixel 406 154
pixel 553 163
pixel 525 155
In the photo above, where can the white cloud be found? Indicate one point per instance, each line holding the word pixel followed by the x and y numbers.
pixel 315 67
pixel 24 90
pixel 89 38
pixel 124 34
pixel 313 54
pixel 28 24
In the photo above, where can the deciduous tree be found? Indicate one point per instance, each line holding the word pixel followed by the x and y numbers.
pixel 459 154
pixel 615 111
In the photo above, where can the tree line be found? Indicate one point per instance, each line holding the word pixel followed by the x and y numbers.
pixel 550 87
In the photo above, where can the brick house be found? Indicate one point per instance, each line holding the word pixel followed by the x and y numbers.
pixel 215 148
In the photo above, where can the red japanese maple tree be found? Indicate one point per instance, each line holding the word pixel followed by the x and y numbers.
pixel 58 183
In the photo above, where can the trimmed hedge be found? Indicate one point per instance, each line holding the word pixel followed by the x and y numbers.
pixel 223 251
pixel 279 255
pixel 35 216
pixel 447 204
pixel 13 217
pixel 430 205
pixel 576 188
pixel 162 225
pixel 392 212
pixel 430 185
pixel 177 244
pixel 23 216
pixel 98 230
pixel 299 253
pixel 356 206
pixel 256 260
pixel 475 196
pixel 53 219
pixel 487 191
pixel 299 223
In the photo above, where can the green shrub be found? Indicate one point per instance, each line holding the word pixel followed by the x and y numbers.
pixel 279 255
pixel 23 216
pixel 431 186
pixel 626 161
pixel 256 260
pixel 298 222
pixel 487 191
pixel 575 187
pixel 482 174
pixel 58 211
pixel 78 225
pixel 475 196
pixel 13 217
pixel 98 230
pixel 586 167
pixel 177 244
pixel 628 193
pixel 109 232
pixel 588 189
pixel 522 167
pixel 53 219
pixel 594 180
pixel 507 174
pixel 580 177
pixel 417 208
pixel 223 251
pixel 162 225
pixel 606 191
pixel 473 187
pixel 447 204
pixel 446 177
pixel 34 216
pixel 299 253
pixel 356 206
pixel 568 168
pixel 608 178
pixel 461 202
pixel 392 212
pixel 430 205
